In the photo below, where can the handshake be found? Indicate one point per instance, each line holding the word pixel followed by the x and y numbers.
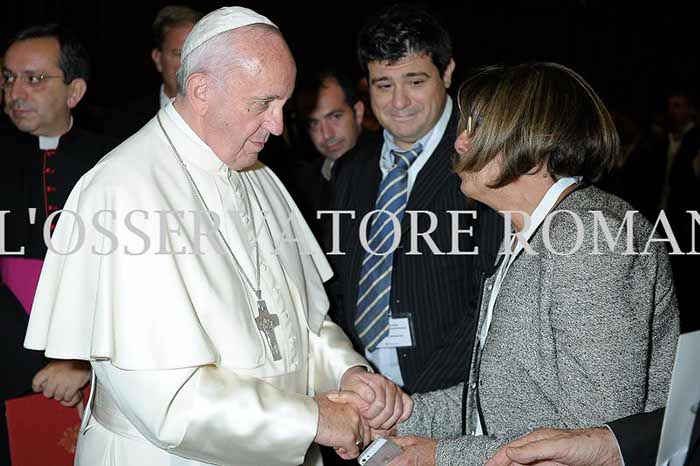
pixel 368 406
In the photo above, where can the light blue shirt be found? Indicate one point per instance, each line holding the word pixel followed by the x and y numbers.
pixel 386 360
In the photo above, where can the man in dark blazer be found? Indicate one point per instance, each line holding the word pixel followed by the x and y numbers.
pixel 330 113
pixel 679 148
pixel 425 290
pixel 170 29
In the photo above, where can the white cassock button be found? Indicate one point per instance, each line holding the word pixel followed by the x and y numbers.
pixel 473 385
pixel 263 266
pixel 246 220
pixel 294 366
pixel 285 314
pixel 471 432
pixel 489 287
pixel 293 341
pixel 276 290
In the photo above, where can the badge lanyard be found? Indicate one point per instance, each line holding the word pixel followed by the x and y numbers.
pixel 538 216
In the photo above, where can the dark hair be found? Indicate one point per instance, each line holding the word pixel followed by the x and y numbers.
pixel 170 17
pixel 310 84
pixel 73 60
pixel 400 30
pixel 535 115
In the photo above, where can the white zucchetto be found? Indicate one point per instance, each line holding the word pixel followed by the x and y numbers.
pixel 218 21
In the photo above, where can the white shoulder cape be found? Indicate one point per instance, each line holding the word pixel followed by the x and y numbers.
pixel 156 311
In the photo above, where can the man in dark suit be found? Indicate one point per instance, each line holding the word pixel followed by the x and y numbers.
pixel 411 306
pixel 45 76
pixel 632 441
pixel 331 114
pixel 170 29
pixel 681 150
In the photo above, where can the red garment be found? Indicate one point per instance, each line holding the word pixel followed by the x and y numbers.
pixel 21 275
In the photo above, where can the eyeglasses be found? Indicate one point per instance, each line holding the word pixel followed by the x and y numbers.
pixel 473 122
pixel 33 80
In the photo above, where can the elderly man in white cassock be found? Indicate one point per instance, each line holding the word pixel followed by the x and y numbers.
pixel 181 269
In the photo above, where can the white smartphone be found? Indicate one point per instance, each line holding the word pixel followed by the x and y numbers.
pixel 379 453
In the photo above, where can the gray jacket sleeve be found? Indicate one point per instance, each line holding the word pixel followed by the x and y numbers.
pixel 435 414
pixel 438 415
pixel 466 451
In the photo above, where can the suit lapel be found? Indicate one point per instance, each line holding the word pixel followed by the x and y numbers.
pixel 368 197
pixel 430 180
pixel 434 174
pixel 368 174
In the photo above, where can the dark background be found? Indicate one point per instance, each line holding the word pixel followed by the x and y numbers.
pixel 630 54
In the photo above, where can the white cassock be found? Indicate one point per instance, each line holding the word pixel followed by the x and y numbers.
pixel 183 375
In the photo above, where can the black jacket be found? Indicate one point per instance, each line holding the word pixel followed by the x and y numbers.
pixel 30 179
pixel 639 436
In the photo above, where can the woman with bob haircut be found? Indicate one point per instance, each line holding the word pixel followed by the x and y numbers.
pixel 576 328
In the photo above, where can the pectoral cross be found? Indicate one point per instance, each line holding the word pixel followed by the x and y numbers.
pixel 266 323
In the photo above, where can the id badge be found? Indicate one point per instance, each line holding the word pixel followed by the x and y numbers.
pixel 400 332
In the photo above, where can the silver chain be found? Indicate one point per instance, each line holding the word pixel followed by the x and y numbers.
pixel 257 290
pixel 256 248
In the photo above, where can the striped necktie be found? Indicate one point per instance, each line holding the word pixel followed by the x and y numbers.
pixel 374 291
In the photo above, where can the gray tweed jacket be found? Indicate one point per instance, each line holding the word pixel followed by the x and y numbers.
pixel 576 340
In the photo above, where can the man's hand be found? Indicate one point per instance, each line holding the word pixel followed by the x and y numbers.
pixel 340 424
pixel 62 381
pixel 386 404
pixel 558 447
pixel 416 451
